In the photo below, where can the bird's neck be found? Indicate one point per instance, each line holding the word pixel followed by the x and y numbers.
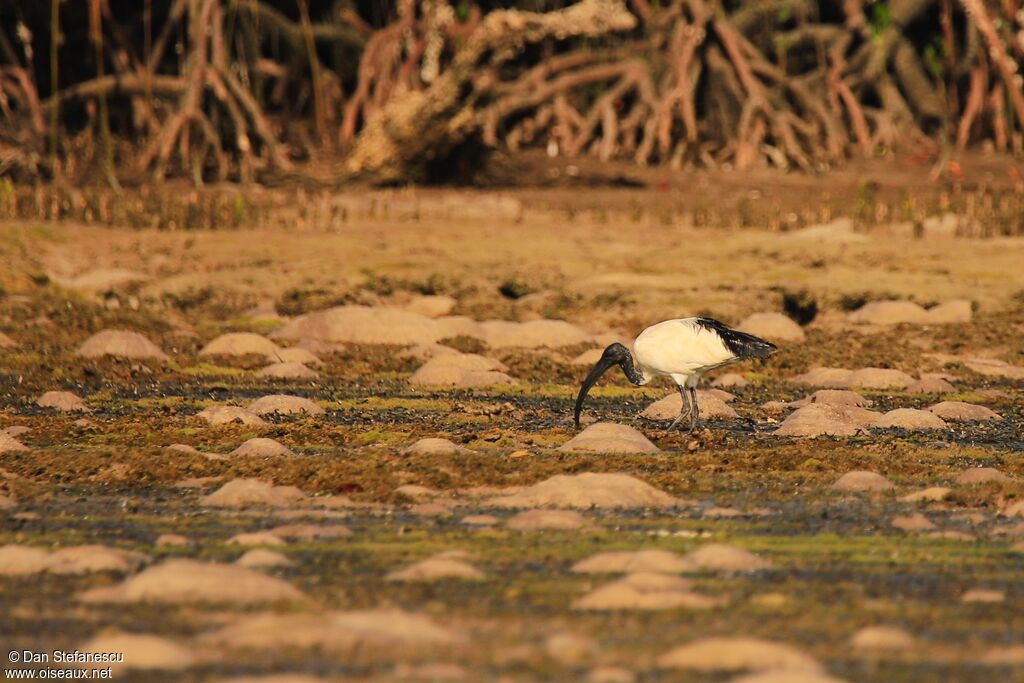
pixel 634 375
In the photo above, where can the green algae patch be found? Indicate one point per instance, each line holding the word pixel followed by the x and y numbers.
pixel 211 370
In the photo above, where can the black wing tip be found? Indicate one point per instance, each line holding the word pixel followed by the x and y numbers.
pixel 760 350
pixel 742 344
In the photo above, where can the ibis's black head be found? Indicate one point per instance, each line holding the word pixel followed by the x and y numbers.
pixel 616 354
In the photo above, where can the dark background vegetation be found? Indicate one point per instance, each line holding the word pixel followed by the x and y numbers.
pixel 117 91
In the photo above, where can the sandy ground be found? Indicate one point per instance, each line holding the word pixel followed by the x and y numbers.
pixel 806 565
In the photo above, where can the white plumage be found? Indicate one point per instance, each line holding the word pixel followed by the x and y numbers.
pixel 682 349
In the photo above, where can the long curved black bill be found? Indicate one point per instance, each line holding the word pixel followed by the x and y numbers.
pixel 600 368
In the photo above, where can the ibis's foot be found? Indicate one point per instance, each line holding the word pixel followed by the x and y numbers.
pixel 675 422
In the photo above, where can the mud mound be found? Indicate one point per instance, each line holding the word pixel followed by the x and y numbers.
pixel 239 344
pixel 6 342
pixel 570 649
pixel 85 559
pixel 433 509
pixel 910 419
pixel 283 404
pixel 260 448
pixel 656 581
pixel 835 397
pixel 533 334
pixel 829 378
pixel 991 367
pixel 889 313
pixel 536 520
pixel 459 326
pixel 20 560
pixel 932 494
pixel 466 361
pixel 956 311
pixel 730 380
pixel 336 632
pixel 364 325
pixel 588 490
pixel 788 677
pixel 8 444
pixel 820 419
pixel 140 651
pixel 931 385
pixel 265 311
pixel 439 672
pixel 6 502
pixel 737 654
pixel 462 370
pixel 965 412
pixel 588 358
pixel 480 520
pixel 660 561
pixel 430 305
pixel 772 326
pixel 433 446
pixel 261 558
pixel 425 352
pixel 861 480
pixel 417 492
pixel 172 541
pixel 882 638
pixel 721 557
pixel 256 538
pixel 310 532
pixel 220 415
pixel 253 492
pixel 435 568
pixel 645 591
pixel 64 401
pixel 879 378
pixel 319 347
pixel 983 595
pixel 610 674
pixel 606 437
pixel 294 355
pixel 120 344
pixel 189 581
pixel 1012 655
pixel 1015 509
pixel 916 522
pixel 711 406
pixel 981 475
pixel 896 312
pixel 288 371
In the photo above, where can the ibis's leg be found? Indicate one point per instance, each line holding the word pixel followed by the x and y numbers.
pixel 695 413
pixel 684 409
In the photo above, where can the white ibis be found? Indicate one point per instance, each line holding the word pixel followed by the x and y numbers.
pixel 683 350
